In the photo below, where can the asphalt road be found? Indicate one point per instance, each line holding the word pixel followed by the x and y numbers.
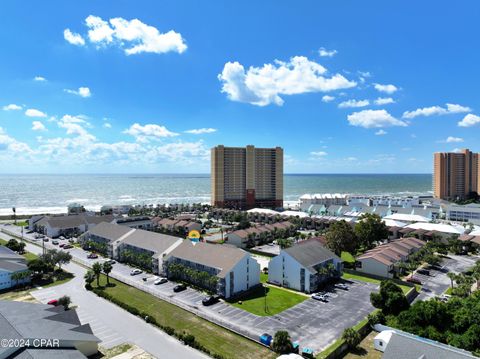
pixel 109 322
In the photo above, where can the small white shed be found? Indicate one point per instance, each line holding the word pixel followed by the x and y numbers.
pixel 380 342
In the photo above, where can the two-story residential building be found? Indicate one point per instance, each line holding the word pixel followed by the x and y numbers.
pixel 10 263
pixel 383 260
pixel 137 222
pixel 255 235
pixel 234 268
pixel 304 266
pixel 71 225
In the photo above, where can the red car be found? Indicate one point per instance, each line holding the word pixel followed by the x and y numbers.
pixel 53 302
pixel 414 280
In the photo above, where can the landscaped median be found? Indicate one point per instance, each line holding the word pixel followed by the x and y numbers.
pixel 199 333
pixel 365 278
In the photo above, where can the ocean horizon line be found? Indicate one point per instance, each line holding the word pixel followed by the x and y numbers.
pixel 208 174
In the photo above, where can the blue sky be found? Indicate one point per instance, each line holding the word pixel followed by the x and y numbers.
pixel 151 86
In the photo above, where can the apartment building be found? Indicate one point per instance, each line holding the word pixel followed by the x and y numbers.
pixel 455 174
pixel 247 177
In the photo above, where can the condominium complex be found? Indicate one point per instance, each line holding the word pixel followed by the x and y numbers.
pixel 247 177
pixel 455 174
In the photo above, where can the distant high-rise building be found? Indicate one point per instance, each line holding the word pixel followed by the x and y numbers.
pixel 455 174
pixel 247 177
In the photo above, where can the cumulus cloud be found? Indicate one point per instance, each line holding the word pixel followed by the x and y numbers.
pixel 384 101
pixel 323 52
pixel 262 86
pixel 73 38
pixel 133 36
pixel 38 126
pixel 436 110
pixel 328 98
pixel 374 119
pixel 200 131
pixel 380 132
pixel 353 103
pixel 149 131
pixel 82 92
pixel 32 112
pixel 11 107
pixel 12 146
pixel 386 88
pixel 107 125
pixel 451 139
pixel 469 120
pixel 39 79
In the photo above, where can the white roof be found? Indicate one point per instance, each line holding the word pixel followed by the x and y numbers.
pixel 290 356
pixel 294 213
pixel 393 223
pixel 439 227
pixel 262 210
pixel 407 217
pixel 384 335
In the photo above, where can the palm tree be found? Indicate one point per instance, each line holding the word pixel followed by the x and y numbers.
pixel 453 277
pixel 97 269
pixel 107 268
pixel 89 278
pixel 16 276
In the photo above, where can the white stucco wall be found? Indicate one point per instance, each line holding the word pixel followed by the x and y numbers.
pixel 291 279
pixel 241 274
pixel 372 266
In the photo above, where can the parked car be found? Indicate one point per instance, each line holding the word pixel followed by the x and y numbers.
pixel 414 280
pixel 61 245
pixel 341 286
pixel 55 242
pixel 71 240
pixel 179 288
pixel 423 271
pixel 61 238
pixel 67 246
pixel 111 261
pixel 92 256
pixel 320 297
pixel 211 299
pixel 160 281
pixel 53 302
pixel 45 239
pixel 136 272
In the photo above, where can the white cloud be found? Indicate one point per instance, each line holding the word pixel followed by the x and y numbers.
pixel 82 92
pixel 374 119
pixel 380 132
pixel 149 131
pixel 351 159
pixel 75 126
pixel 319 153
pixel 436 110
pixel 469 120
pixel 11 107
pixel 451 139
pixel 107 125
pixel 353 103
pixel 38 126
pixel 133 36
pixel 199 131
pixel 386 88
pixel 323 52
pixel 262 86
pixel 39 79
pixel 384 101
pixel 73 38
pixel 32 112
pixel 12 146
pixel 328 98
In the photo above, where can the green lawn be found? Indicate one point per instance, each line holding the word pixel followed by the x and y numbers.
pixel 30 256
pixel 362 278
pixel 263 277
pixel 277 301
pixel 347 257
pixel 214 338
pixel 448 291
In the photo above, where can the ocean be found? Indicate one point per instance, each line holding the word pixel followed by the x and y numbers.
pixel 32 194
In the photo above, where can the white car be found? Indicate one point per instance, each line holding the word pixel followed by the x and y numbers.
pixel 160 281
pixel 136 272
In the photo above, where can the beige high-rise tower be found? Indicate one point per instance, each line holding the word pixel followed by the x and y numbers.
pixel 455 174
pixel 247 177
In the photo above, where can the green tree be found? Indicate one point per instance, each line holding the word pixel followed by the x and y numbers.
pixel 107 268
pixel 341 237
pixel 390 299
pixel 89 278
pixel 453 277
pixel 65 302
pixel 282 344
pixel 16 276
pixel 351 337
pixel 432 259
pixel 370 229
pixel 97 269
pixel 60 258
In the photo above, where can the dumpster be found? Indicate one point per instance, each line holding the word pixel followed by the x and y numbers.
pixel 266 339
pixel 307 353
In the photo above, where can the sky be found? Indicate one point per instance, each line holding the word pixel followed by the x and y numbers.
pixel 150 86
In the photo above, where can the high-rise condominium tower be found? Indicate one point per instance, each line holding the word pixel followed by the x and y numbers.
pixel 247 177
pixel 455 174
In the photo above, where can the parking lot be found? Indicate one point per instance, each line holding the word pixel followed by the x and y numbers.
pixel 438 282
